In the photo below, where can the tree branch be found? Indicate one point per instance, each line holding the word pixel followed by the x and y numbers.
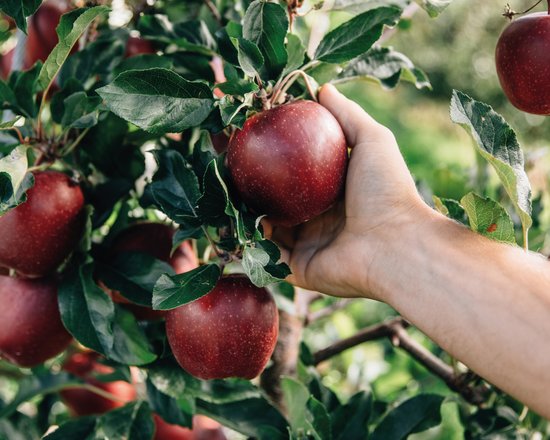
pixel 395 330
pixel 327 311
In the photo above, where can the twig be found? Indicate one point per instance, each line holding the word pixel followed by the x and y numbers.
pixel 328 311
pixel 395 330
pixel 215 13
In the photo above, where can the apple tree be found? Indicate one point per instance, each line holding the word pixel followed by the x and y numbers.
pixel 141 146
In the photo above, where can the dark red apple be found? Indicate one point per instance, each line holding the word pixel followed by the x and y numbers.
pixel 138 46
pixel 82 402
pixel 523 63
pixel 220 141
pixel 154 239
pixel 204 428
pixel 31 330
pixel 289 162
pixel 230 332
pixel 38 235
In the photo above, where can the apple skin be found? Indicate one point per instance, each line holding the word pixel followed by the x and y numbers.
pixel 154 239
pixel 38 235
pixel 523 64
pixel 229 332
pixel 289 162
pixel 83 402
pixel 31 330
pixel 204 428
pixel 138 46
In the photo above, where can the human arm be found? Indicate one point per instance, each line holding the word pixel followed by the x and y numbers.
pixel 486 303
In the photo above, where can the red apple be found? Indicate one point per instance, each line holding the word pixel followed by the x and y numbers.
pixel 154 239
pixel 31 330
pixel 289 162
pixel 137 46
pixel 38 235
pixel 82 402
pixel 204 428
pixel 230 332
pixel 220 141
pixel 523 63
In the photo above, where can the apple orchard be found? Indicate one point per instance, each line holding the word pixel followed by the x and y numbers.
pixel 148 147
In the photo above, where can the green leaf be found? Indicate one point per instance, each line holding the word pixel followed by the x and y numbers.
pixel 167 407
pixel 175 187
pixel 131 346
pixel 356 36
pixel 451 208
pixel 134 275
pixel 24 90
pixel 158 100
pixel 498 145
pixel 69 30
pixel 360 6
pixel 86 310
pixel 434 7
pixel 296 54
pixel 176 290
pixel 351 419
pixel 80 111
pixel 19 10
pixel 266 25
pixel 13 178
pixel 261 265
pixel 77 429
pixel 387 67
pixel 42 382
pixel 8 125
pixel 144 62
pixel 414 415
pixel 488 218
pixel 238 86
pixel 249 56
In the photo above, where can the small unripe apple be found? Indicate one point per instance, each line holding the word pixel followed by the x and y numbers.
pixel 289 162
pixel 154 239
pixel 523 63
pixel 31 330
pixel 82 402
pixel 204 428
pixel 138 46
pixel 229 332
pixel 38 235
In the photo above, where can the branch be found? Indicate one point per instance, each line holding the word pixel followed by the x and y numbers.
pixel 395 330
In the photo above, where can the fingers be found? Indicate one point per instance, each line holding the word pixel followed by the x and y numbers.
pixel 358 125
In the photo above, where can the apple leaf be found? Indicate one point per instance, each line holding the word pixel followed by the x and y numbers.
pixel 386 66
pixel 488 218
pixel 24 89
pixel 69 30
pixel 158 100
pixel 8 125
pixel 80 111
pixel 80 428
pixel 356 36
pixel 266 25
pixel 261 263
pixel 414 415
pixel 14 179
pixel 238 86
pixel 172 291
pixel 296 54
pixel 351 419
pixel 434 7
pixel 249 56
pixel 89 314
pixel 175 187
pixel 134 275
pixel 167 406
pixel 143 62
pixel 41 383
pixel 19 10
pixel 451 208
pixel 498 145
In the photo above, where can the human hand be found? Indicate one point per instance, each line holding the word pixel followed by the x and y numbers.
pixel 336 252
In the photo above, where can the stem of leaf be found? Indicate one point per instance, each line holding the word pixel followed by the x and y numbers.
pixel 100 392
pixel 75 143
pixel 525 238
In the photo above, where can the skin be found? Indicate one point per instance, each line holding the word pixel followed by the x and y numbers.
pixel 31 330
pixel 83 402
pixel 484 302
pixel 38 235
pixel 523 64
pixel 230 332
pixel 154 239
pixel 289 162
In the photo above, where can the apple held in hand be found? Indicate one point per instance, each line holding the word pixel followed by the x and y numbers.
pixel 154 239
pixel 38 235
pixel 31 330
pixel 523 63
pixel 289 162
pixel 229 332
pixel 82 402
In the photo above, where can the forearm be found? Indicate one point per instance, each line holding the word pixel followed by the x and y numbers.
pixel 486 303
